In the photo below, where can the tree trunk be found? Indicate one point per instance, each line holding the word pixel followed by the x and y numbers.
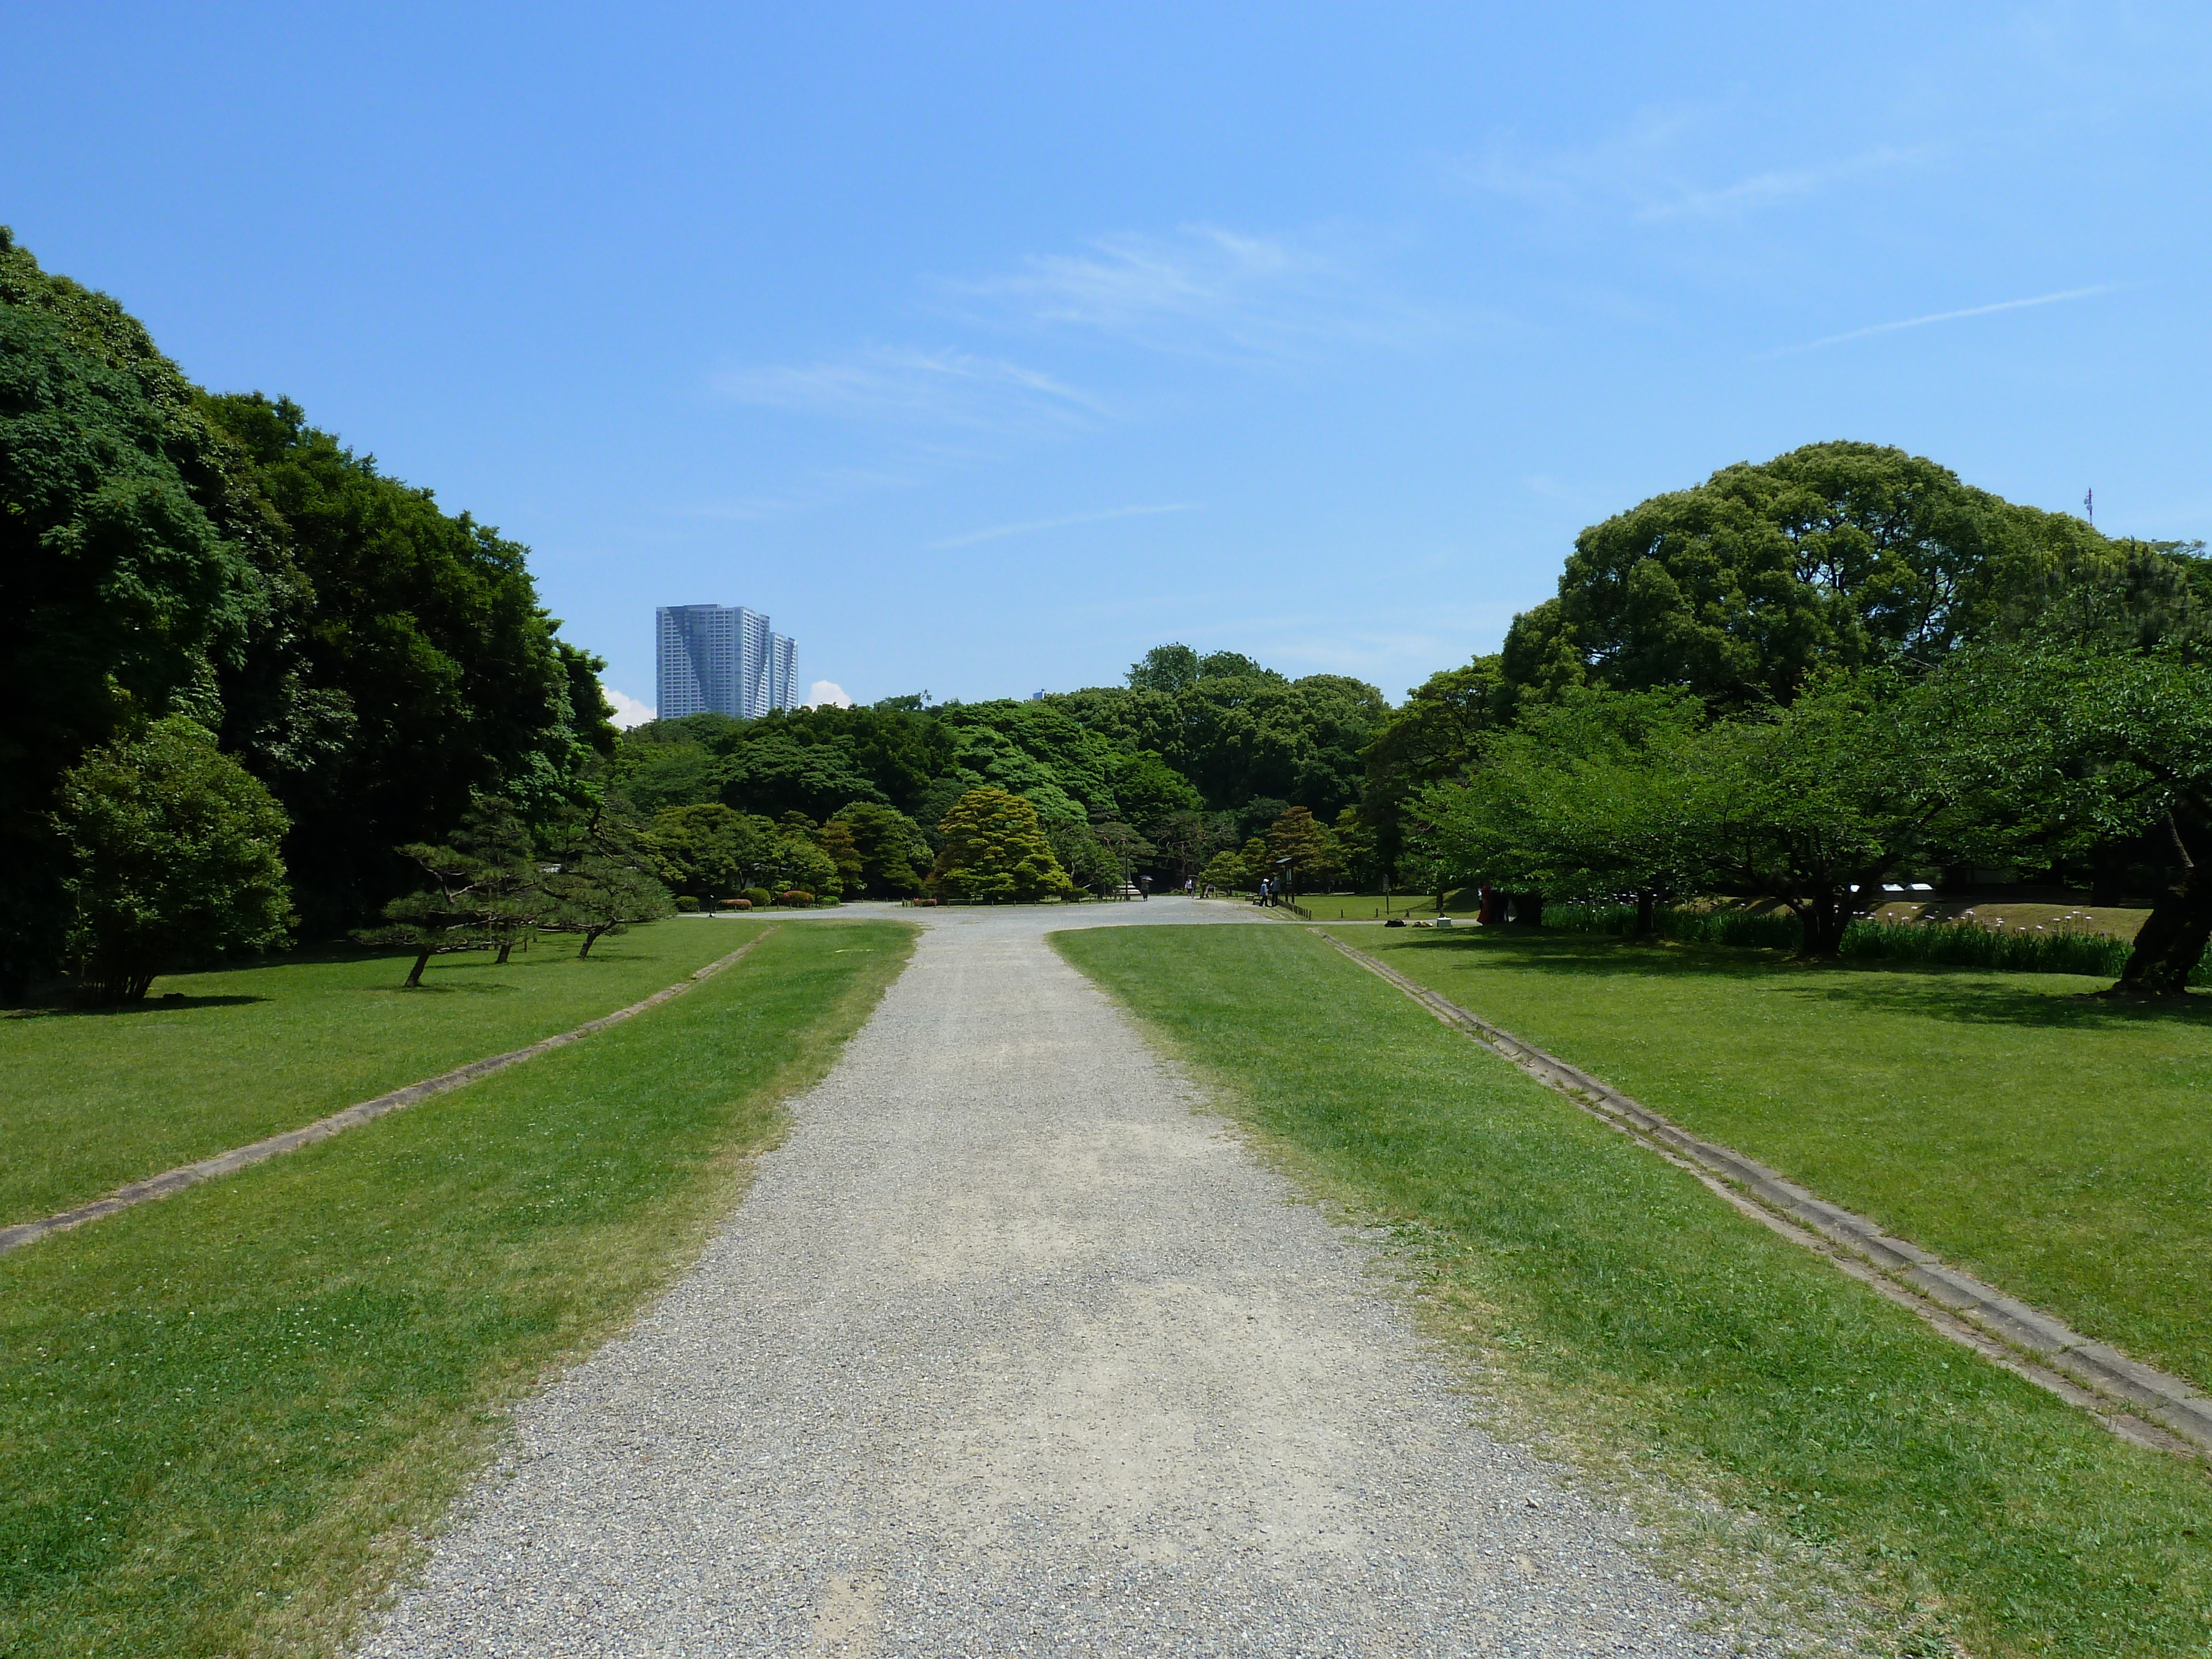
pixel 1647 905
pixel 1824 918
pixel 591 938
pixel 415 974
pixel 505 946
pixel 2179 927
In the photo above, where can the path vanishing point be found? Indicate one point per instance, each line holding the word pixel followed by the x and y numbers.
pixel 1012 1349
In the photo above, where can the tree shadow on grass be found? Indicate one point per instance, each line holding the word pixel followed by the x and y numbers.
pixel 161 1005
pixel 1929 990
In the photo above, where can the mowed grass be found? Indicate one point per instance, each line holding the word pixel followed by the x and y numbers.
pixel 2056 1145
pixel 222 1415
pixel 94 1098
pixel 1646 1316
pixel 1369 906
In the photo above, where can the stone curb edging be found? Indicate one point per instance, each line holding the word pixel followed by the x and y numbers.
pixel 2049 1352
pixel 240 1157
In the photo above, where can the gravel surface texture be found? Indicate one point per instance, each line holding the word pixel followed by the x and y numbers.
pixel 1011 1349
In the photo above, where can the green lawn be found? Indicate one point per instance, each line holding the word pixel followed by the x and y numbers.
pixel 1368 907
pixel 2058 1146
pixel 222 1415
pixel 1646 1318
pixel 94 1099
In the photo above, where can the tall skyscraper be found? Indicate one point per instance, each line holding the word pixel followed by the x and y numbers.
pixel 722 660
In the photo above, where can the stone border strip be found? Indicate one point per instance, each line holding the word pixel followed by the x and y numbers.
pixel 2120 1392
pixel 238 1157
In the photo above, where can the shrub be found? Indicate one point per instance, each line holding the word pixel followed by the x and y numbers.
pixel 757 897
pixel 686 904
pixel 174 849
pixel 1771 930
pixel 738 904
pixel 796 898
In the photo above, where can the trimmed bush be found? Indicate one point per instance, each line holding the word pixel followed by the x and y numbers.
pixel 686 904
pixel 757 897
pixel 796 899
pixel 737 904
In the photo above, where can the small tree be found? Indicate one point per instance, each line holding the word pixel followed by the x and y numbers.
pixel 836 843
pixel 174 849
pixel 1227 871
pixel 599 895
pixel 711 849
pixel 455 913
pixel 996 848
pixel 1308 846
pixel 890 845
pixel 506 879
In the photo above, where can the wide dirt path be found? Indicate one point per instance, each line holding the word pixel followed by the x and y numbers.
pixel 1009 1351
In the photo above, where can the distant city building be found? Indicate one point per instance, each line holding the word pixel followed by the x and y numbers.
pixel 722 660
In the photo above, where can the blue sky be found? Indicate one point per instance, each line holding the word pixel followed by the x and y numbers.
pixel 983 347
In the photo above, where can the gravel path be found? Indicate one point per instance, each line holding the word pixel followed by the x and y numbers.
pixel 1009 1351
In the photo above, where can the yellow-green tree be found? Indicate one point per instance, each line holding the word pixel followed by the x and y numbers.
pixel 995 847
pixel 1298 838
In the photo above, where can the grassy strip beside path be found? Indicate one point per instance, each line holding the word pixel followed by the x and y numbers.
pixel 1646 1316
pixel 223 1415
pixel 2055 1145
pixel 95 1098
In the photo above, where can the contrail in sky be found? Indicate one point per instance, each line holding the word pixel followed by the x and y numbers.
pixel 1942 317
pixel 991 535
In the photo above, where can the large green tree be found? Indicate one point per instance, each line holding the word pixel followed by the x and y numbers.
pixel 136 565
pixel 996 848
pixel 1833 555
pixel 173 860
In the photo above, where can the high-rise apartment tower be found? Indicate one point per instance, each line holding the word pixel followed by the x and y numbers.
pixel 722 660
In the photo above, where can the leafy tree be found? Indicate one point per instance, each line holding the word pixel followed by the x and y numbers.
pixel 1227 871
pixel 455 913
pixel 1428 739
pixel 2092 740
pixel 1091 863
pixel 135 564
pixel 1303 846
pixel 837 844
pixel 1592 797
pixel 796 860
pixel 712 850
pixel 174 860
pixel 507 878
pixel 598 895
pixel 1358 850
pixel 1833 555
pixel 995 847
pixel 890 844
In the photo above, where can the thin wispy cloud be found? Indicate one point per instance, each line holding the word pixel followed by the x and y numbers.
pixel 1208 291
pixel 1940 317
pixel 1645 171
pixel 1033 525
pixel 944 387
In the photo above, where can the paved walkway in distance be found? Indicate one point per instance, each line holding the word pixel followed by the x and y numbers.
pixel 1009 1351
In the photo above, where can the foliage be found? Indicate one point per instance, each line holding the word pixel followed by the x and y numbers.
pixel 2092 739
pixel 1229 872
pixel 837 844
pixel 1430 738
pixel 1304 847
pixel 891 846
pixel 453 914
pixel 711 850
pixel 1837 555
pixel 174 860
pixel 1772 930
pixel 412 669
pixel 995 847
pixel 1175 667
pixel 135 564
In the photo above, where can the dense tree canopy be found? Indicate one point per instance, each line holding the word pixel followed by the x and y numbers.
pixel 1836 554
pixel 373 660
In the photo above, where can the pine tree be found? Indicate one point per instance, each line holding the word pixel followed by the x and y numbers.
pixel 995 847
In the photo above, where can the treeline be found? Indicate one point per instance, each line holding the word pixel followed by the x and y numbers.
pixel 1800 680
pixel 1193 756
pixel 217 620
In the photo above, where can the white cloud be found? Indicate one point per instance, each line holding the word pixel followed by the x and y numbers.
pixel 1943 317
pixel 1023 529
pixel 827 694
pixel 628 711
pixel 928 388
pixel 1642 171
pixel 1204 289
